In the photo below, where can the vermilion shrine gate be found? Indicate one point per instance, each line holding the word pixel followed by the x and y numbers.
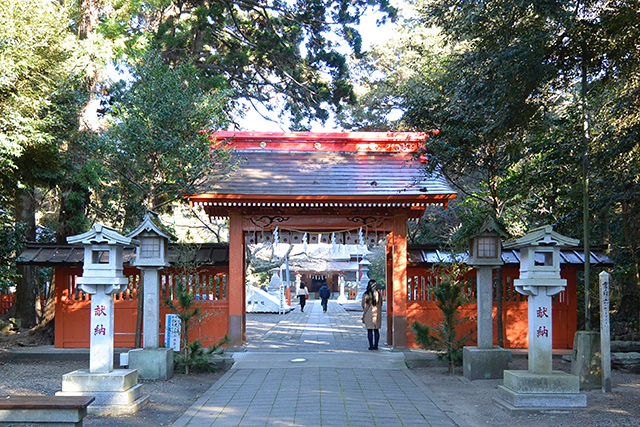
pixel 318 185
pixel 333 182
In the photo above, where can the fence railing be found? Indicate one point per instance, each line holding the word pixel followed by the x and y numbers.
pixel 209 286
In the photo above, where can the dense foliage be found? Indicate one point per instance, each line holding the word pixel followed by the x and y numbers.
pixel 534 107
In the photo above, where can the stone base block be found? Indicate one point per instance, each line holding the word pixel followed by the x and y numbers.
pixel 586 362
pixel 152 364
pixel 541 400
pixel 555 382
pixel 485 364
pixel 557 390
pixel 116 392
pixel 83 380
pixel 125 397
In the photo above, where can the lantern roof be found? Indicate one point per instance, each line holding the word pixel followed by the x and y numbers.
pixel 151 222
pixel 102 234
pixel 542 236
pixel 490 226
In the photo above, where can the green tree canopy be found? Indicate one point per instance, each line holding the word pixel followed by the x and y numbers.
pixel 156 149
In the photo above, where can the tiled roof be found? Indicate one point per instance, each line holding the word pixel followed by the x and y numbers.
pixel 208 254
pixel 297 173
pixel 217 255
pixel 418 256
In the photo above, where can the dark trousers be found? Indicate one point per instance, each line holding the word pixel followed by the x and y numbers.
pixel 324 303
pixel 303 301
pixel 374 337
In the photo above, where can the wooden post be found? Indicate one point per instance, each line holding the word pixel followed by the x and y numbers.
pixel 399 271
pixel 236 291
pixel 389 289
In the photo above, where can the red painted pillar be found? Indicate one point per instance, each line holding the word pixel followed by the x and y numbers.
pixel 390 289
pixel 236 292
pixel 399 272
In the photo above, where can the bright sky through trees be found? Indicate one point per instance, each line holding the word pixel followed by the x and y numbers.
pixel 271 121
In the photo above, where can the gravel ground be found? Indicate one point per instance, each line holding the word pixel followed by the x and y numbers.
pixel 470 403
pixel 168 400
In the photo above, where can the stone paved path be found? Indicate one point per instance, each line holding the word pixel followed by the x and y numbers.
pixel 312 330
pixel 314 369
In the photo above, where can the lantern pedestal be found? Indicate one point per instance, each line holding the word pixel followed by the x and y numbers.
pixel 485 363
pixel 116 392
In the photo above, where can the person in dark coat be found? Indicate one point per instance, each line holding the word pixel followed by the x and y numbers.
pixel 325 294
pixel 372 313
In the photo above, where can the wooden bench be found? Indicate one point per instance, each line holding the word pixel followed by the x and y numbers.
pixel 44 410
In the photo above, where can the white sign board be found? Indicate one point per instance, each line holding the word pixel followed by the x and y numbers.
pixel 605 331
pixel 282 310
pixel 172 329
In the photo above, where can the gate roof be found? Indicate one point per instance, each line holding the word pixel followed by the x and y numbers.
pixel 318 172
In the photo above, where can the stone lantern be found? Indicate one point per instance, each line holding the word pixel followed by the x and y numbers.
pixel 102 277
pixel 116 391
pixel 152 362
pixel 485 247
pixel 485 253
pixel 540 386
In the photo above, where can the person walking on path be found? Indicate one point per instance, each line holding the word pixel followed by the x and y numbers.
pixel 372 316
pixel 303 294
pixel 325 294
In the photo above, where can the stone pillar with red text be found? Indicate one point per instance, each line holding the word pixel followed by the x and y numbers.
pixel 540 334
pixel 101 339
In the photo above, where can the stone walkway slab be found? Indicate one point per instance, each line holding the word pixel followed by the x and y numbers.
pixel 339 383
pixel 316 397
pixel 338 359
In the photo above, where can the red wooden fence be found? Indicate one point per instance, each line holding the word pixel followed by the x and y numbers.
pixel 421 307
pixel 209 288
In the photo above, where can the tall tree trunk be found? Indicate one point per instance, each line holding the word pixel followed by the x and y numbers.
pixel 72 217
pixel 499 297
pixel 89 15
pixel 139 317
pixel 585 193
pixel 24 307
pixel 629 304
pixel 89 19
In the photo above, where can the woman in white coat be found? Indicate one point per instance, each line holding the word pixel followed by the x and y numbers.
pixel 303 294
pixel 372 316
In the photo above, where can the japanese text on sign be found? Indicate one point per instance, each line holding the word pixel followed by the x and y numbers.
pixel 172 331
pixel 99 330
pixel 100 310
pixel 542 312
pixel 542 332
